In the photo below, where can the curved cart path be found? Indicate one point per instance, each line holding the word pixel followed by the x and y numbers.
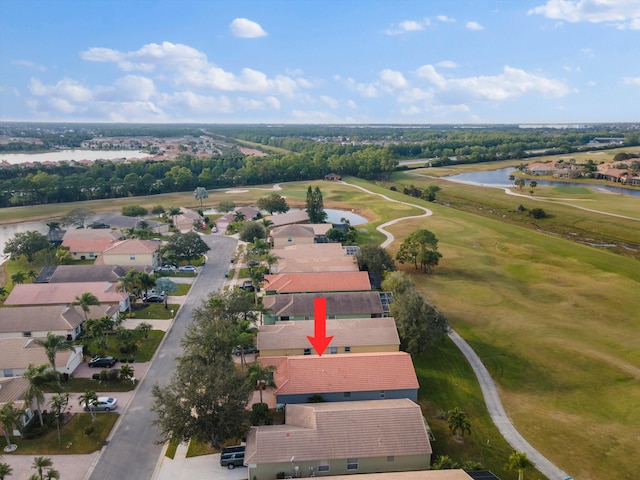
pixel 489 390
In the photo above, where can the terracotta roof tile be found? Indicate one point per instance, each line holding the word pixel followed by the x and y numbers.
pixel 62 293
pixel 133 246
pixel 338 303
pixel 317 282
pixel 312 250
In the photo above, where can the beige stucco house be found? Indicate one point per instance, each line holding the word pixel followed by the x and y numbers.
pixel 17 353
pixel 132 252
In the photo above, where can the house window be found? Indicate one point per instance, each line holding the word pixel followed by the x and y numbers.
pixel 323 467
pixel 381 393
pixel 347 394
pixel 284 319
pixel 391 458
pixel 333 350
pixel 347 349
pixel 92 255
pixel 26 334
pixel 132 257
pixel 352 464
pixel 331 317
pixel 289 239
pixel 8 372
pixel 306 351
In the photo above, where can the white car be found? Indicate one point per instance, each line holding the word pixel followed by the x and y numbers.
pixel 103 404
pixel 187 268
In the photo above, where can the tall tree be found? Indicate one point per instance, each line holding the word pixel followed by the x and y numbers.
pixel 373 258
pixel 206 397
pixel 200 193
pixel 315 205
pixel 173 212
pixel 52 345
pixel 185 246
pixel 420 247
pixel 18 278
pixel 85 301
pixel 252 231
pixel 39 378
pixel 10 417
pixel 44 469
pixel 518 461
pixel 458 422
pixel 27 244
pixel 226 206
pixel 273 203
pixel 146 281
pixel 77 217
pixel 168 286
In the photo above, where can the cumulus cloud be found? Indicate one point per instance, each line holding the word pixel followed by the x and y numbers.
pixel 66 90
pixel 623 13
pixel 635 81
pixel 445 19
pixel 408 26
pixel 329 101
pixel 392 78
pixel 474 26
pixel 245 28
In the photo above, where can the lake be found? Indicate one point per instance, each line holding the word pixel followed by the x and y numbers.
pixel 68 155
pixel 500 178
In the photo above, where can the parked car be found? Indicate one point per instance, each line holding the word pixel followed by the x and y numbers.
pixel 103 404
pixel 187 268
pixel 98 361
pixel 233 457
pixel 154 298
pixel 248 285
pixel 247 350
pixel 166 268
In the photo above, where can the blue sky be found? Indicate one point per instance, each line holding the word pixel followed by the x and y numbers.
pixel 320 61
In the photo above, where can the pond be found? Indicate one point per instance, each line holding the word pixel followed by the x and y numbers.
pixel 500 178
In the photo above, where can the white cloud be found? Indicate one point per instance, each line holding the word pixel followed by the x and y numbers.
pixel 429 73
pixel 66 89
pixel 392 78
pixel 28 64
pixel 474 26
pixel 445 19
pixel 352 104
pixel 131 88
pixel 245 28
pixel 447 64
pixel 623 13
pixel 408 26
pixel 635 81
pixel 330 101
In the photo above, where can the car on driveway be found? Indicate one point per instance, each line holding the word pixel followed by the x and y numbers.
pixel 247 350
pixel 103 404
pixel 232 457
pixel 107 362
pixel 187 268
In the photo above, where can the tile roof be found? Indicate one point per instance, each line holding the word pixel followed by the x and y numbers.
pixel 17 353
pixel 48 318
pixel 338 303
pixel 311 250
pixel 317 282
pixel 294 230
pixel 412 475
pixel 93 233
pixel 349 332
pixel 12 389
pixel 343 372
pixel 133 246
pixel 94 245
pixel 62 293
pixel 316 264
pixel 296 216
pixel 337 430
pixel 93 273
pixel 248 212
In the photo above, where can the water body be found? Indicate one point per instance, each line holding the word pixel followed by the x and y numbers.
pixel 68 155
pixel 500 178
pixel 7 232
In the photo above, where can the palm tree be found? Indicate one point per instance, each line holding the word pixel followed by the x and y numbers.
pixel 86 300
pixel 39 378
pixel 88 400
pixel 59 403
pixel 126 372
pixel 18 278
pixel 146 281
pixel 128 283
pixel 52 345
pixel 200 193
pixel 32 274
pixel 5 470
pixel 262 376
pixel 518 461
pixel 238 216
pixel 3 291
pixel 458 423
pixel 40 464
pixel 10 416
pixel 53 226
pixel 173 213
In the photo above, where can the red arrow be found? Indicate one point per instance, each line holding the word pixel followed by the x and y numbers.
pixel 320 341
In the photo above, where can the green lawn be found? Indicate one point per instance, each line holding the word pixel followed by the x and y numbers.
pixel 72 437
pixel 81 385
pixel 146 347
pixel 153 311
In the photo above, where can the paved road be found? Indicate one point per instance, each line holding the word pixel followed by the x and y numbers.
pixel 132 451
pixel 499 416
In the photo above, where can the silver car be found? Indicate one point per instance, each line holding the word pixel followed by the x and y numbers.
pixel 104 404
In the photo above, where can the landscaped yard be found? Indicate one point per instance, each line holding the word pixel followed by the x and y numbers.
pixel 146 347
pixel 73 440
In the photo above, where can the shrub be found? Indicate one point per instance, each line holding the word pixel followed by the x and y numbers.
pixel 95 376
pixel 537 213
pixel 134 211
pixel 113 375
pixel 89 430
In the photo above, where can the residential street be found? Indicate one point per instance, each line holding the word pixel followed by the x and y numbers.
pixel 132 451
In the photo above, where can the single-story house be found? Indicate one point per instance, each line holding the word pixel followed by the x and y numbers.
pixel 123 221
pixel 315 264
pixel 133 252
pixel 36 322
pixel 421 475
pixel 298 234
pixel 300 306
pixel 34 294
pixel 289 218
pixel 184 221
pixel 360 335
pixel 311 250
pixel 344 377
pixel 332 177
pixel 248 213
pixel 87 273
pixel 341 438
pixel 316 282
pixel 89 243
pixel 17 353
pixel 12 390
